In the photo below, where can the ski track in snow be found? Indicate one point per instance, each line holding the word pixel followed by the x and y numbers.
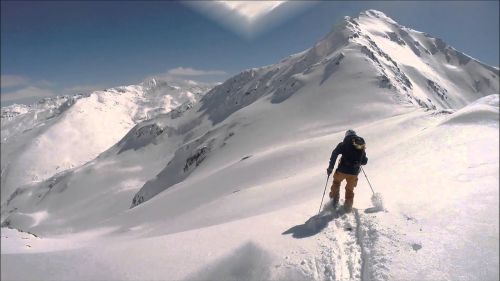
pixel 341 252
pixel 348 249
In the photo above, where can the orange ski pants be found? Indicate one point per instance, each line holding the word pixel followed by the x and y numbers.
pixel 351 180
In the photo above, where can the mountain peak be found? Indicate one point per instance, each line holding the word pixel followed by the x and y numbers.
pixel 154 82
pixel 374 14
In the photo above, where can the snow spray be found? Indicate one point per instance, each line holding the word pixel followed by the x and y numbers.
pixel 376 197
pixel 377 201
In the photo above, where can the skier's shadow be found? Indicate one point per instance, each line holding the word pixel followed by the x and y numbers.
pixel 313 225
pixel 373 210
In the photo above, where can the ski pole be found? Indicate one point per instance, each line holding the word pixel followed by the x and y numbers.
pixel 323 194
pixel 368 180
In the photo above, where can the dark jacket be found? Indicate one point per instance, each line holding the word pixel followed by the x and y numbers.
pixel 352 158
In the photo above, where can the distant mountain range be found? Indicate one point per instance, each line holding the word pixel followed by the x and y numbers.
pixel 63 132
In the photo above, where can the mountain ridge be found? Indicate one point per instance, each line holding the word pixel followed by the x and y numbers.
pixel 101 118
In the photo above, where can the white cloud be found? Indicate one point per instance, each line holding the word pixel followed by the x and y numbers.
pixel 21 89
pixel 79 89
pixel 9 81
pixel 187 71
pixel 191 76
pixel 30 92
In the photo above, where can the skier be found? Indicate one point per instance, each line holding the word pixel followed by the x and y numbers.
pixel 353 153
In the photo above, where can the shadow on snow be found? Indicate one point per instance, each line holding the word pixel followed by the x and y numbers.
pixel 315 224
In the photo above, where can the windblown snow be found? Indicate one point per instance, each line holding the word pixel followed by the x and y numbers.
pixel 227 186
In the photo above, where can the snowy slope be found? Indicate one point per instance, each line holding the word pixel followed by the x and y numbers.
pixel 64 132
pixel 252 230
pixel 221 189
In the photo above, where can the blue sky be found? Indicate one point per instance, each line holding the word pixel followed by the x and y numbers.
pixel 59 47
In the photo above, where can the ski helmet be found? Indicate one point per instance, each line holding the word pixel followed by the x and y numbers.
pixel 350 133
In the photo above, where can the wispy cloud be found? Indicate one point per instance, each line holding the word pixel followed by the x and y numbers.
pixel 27 93
pixel 10 81
pixel 82 89
pixel 21 89
pixel 182 75
pixel 187 71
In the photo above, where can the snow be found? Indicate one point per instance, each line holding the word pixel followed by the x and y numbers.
pixel 66 132
pixel 450 204
pixel 228 187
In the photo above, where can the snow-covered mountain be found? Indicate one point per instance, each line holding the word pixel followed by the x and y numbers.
pixel 421 70
pixel 60 133
pixel 220 188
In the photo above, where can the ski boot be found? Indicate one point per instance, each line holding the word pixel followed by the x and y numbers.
pixel 335 202
pixel 348 206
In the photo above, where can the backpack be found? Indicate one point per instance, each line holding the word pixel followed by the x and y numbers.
pixel 358 143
